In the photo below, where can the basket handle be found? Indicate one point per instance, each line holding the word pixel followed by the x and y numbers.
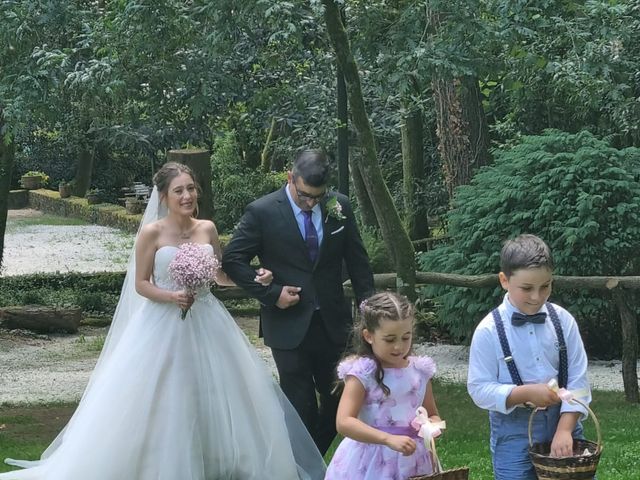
pixel 591 414
pixel 435 461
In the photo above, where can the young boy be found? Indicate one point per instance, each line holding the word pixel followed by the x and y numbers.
pixel 516 350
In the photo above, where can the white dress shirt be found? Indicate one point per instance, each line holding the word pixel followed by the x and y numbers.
pixel 316 217
pixel 534 348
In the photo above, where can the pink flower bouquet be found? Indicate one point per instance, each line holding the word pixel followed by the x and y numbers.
pixel 193 268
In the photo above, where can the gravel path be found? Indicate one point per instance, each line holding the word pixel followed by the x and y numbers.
pixel 52 368
pixel 61 248
pixel 55 368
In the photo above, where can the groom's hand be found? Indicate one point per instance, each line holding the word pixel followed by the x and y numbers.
pixel 289 296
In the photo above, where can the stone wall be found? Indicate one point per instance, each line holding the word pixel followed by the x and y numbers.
pixel 18 199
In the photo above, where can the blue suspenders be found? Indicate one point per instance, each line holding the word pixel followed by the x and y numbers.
pixel 511 365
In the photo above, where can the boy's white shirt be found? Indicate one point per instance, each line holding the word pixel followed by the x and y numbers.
pixel 534 348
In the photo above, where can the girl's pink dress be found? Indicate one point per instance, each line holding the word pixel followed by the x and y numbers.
pixel 355 460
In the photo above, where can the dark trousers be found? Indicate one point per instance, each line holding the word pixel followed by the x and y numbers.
pixel 308 369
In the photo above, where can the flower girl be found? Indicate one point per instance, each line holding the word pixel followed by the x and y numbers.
pixel 383 388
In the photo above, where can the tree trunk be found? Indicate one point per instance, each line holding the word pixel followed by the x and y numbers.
pixel 41 319
pixel 265 159
pixel 199 161
pixel 413 171
pixel 629 325
pixel 393 232
pixel 462 129
pixel 6 170
pixel 343 134
pixel 367 214
pixel 84 171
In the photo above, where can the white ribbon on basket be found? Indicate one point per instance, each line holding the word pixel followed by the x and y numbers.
pixel 567 395
pixel 428 431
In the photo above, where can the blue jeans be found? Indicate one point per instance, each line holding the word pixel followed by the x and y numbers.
pixel 510 440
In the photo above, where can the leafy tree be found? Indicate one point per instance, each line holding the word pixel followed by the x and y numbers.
pixel 235 183
pixel 393 233
pixel 564 64
pixel 576 192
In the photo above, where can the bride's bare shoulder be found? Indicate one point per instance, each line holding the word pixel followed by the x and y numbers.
pixel 207 225
pixel 151 231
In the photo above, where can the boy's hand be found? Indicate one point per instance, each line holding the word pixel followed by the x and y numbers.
pixel 400 443
pixel 541 396
pixel 562 444
pixel 538 394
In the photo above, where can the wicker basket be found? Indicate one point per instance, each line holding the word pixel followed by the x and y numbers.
pixel 439 473
pixel 577 467
pixel 455 474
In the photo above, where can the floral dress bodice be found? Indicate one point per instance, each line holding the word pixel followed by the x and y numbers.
pixel 407 385
pixel 392 413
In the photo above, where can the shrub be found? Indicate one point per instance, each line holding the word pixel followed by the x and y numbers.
pixel 235 184
pixel 32 298
pixel 61 290
pixel 578 193
pixel 90 302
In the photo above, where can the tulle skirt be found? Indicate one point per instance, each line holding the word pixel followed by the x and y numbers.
pixel 180 400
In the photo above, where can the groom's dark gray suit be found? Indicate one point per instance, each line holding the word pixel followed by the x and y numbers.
pixel 308 338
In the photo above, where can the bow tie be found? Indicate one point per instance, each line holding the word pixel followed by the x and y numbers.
pixel 519 319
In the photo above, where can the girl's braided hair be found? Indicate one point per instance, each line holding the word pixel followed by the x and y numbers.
pixel 381 306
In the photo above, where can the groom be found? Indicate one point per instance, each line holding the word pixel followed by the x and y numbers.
pixel 303 234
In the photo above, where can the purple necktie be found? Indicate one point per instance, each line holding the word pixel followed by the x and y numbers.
pixel 310 236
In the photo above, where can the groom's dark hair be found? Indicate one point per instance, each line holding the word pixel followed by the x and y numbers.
pixel 312 166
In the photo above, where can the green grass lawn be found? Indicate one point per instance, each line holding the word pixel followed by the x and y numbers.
pixel 26 431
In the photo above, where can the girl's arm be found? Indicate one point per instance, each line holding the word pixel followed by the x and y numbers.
pixel 146 248
pixel 429 404
pixel 349 425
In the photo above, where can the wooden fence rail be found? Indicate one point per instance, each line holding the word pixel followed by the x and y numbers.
pixel 615 285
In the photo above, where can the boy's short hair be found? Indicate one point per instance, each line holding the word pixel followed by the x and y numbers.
pixel 525 251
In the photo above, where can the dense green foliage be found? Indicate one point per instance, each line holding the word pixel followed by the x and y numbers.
pixel 578 193
pixel 92 76
pixel 235 184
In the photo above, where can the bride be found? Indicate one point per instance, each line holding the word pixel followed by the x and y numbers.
pixel 174 399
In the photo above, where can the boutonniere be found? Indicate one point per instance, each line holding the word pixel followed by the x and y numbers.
pixel 334 209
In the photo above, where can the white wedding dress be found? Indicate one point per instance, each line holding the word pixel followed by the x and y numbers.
pixel 179 400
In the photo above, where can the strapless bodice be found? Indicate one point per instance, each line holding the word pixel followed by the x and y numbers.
pixel 163 258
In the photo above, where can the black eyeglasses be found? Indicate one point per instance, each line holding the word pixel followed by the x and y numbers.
pixel 306 196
